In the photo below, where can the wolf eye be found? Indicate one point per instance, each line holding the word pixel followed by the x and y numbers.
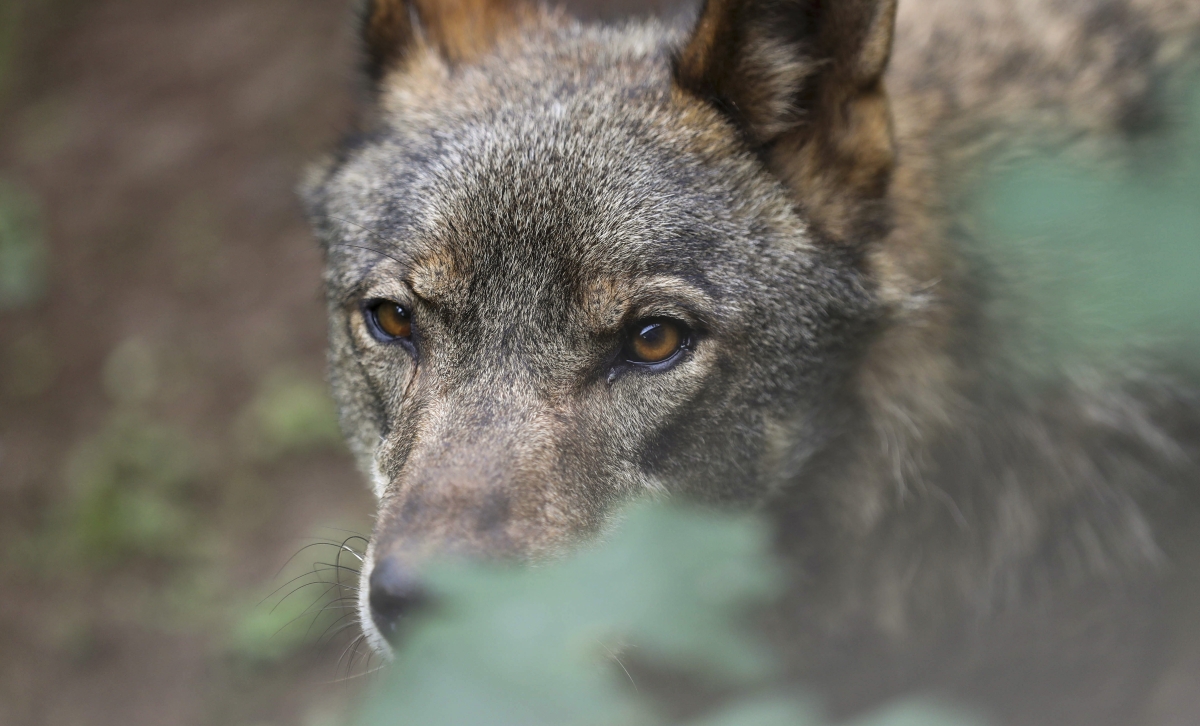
pixel 388 321
pixel 655 341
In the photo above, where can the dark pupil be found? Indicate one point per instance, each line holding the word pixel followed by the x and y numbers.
pixel 392 319
pixel 653 335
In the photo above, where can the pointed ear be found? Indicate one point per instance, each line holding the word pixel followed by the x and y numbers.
pixel 458 29
pixel 803 79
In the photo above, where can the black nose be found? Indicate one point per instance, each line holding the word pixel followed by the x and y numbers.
pixel 395 593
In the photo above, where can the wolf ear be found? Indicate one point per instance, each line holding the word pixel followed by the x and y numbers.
pixel 803 79
pixel 458 29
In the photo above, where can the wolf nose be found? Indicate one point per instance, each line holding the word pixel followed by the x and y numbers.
pixel 395 592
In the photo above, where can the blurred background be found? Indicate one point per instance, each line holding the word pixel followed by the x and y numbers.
pixel 166 440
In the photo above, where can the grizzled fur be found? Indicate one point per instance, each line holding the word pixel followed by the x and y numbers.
pixel 529 187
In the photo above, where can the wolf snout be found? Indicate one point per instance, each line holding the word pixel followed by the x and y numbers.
pixel 395 593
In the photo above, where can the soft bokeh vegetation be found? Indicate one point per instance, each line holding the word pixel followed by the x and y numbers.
pixel 1102 251
pixel 545 646
pixel 23 253
pixel 290 414
pixel 166 437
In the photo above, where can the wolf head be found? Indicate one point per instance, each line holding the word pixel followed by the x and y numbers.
pixel 570 265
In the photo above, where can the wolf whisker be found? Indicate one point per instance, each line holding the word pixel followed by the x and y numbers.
pixel 330 586
pixel 308 573
pixel 353 645
pixel 319 543
pixel 340 629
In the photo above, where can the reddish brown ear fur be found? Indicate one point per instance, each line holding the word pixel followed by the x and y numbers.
pixel 804 80
pixel 458 29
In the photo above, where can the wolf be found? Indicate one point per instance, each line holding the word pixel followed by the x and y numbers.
pixel 718 260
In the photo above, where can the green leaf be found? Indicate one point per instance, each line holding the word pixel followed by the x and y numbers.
pixel 1105 254
pixel 542 645
pixel 921 713
pixel 765 711
pixel 290 414
pixel 127 490
pixel 24 256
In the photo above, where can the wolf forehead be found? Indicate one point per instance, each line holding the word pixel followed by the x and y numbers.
pixel 565 160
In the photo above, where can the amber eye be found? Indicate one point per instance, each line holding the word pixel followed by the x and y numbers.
pixel 390 321
pixel 654 341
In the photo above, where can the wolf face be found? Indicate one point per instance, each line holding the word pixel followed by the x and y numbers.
pixel 570 265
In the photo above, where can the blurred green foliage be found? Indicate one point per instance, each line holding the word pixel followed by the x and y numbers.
pixel 134 486
pixel 23 252
pixel 129 486
pixel 1106 254
pixel 301 610
pixel 148 498
pixel 289 415
pixel 544 645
